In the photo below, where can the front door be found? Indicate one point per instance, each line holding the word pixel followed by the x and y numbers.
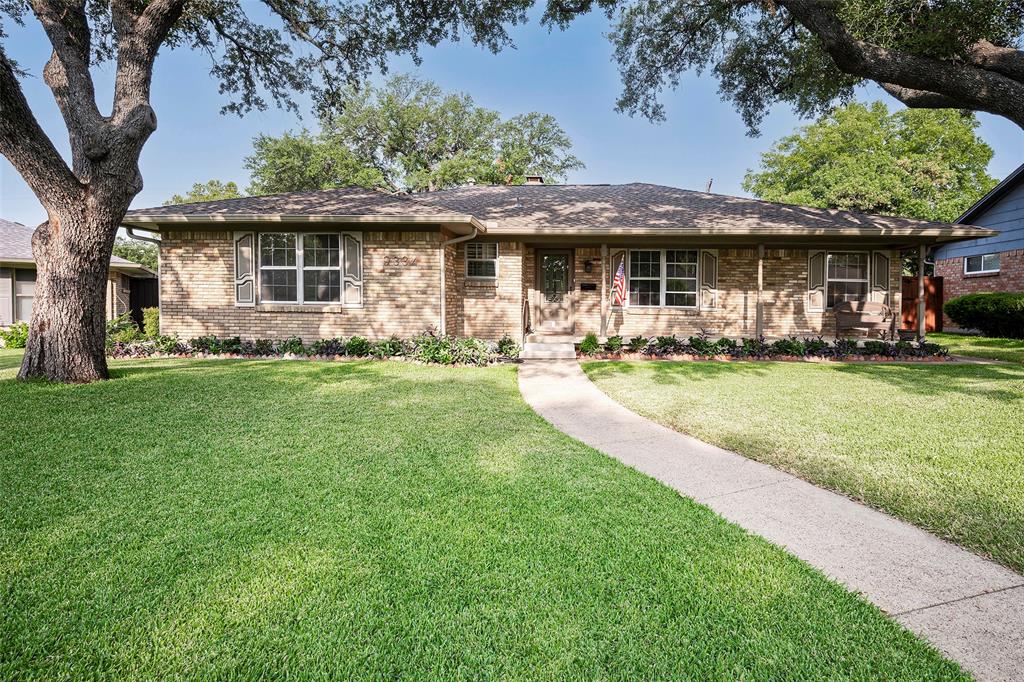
pixel 554 288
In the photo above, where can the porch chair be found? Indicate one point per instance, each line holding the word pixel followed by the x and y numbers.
pixel 869 316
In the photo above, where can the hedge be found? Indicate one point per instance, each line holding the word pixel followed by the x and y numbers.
pixel 818 347
pixel 993 314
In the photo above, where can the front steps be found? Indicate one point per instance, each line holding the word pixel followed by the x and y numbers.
pixel 548 347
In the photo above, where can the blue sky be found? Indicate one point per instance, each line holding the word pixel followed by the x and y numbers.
pixel 569 75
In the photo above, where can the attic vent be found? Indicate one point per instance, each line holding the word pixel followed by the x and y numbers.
pixel 534 180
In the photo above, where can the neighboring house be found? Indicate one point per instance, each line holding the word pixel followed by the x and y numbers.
pixel 993 263
pixel 18 277
pixel 490 260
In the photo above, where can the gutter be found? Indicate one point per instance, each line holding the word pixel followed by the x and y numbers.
pixel 131 233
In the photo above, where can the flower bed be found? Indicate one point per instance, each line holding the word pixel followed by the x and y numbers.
pixel 792 348
pixel 428 347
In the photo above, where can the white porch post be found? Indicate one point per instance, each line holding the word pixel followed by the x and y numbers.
pixel 921 253
pixel 604 291
pixel 759 324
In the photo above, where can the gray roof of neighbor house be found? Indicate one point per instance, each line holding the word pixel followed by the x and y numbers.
pixel 633 209
pixel 16 247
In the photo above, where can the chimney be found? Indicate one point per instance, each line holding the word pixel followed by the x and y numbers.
pixel 534 180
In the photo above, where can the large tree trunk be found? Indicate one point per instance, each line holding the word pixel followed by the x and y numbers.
pixel 67 333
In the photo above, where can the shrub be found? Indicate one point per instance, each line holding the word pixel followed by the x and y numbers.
pixel 872 347
pixel 638 344
pixel 205 344
pixel 151 322
pixel 327 347
pixel 470 351
pixel 292 345
pixel 790 346
pixel 590 344
pixel 700 345
pixel 818 347
pixel 357 346
pixel 263 347
pixel 386 348
pixel 15 336
pixel 725 346
pixel 843 347
pixel 508 347
pixel 613 344
pixel 753 348
pixel 123 329
pixel 667 345
pixel 168 344
pixel 995 314
pixel 231 346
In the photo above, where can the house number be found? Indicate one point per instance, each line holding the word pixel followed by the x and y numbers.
pixel 398 261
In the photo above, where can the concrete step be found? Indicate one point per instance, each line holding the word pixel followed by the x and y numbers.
pixel 550 338
pixel 533 350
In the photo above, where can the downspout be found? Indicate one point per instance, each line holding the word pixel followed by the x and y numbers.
pixel 444 243
pixel 131 233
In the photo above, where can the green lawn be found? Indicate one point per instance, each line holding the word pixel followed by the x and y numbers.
pixel 981 346
pixel 941 446
pixel 193 519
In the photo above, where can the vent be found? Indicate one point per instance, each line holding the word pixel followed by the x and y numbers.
pixel 534 180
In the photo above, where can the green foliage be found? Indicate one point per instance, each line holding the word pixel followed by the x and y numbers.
pixel 508 347
pixel 151 322
pixel 123 329
pixel 143 253
pixel 590 345
pixel 790 346
pixel 357 346
pixel 449 350
pixel 387 348
pixel 211 190
pixel 409 135
pixel 15 336
pixel 638 344
pixel 915 163
pixel 613 344
pixel 291 346
pixel 327 347
pixel 994 314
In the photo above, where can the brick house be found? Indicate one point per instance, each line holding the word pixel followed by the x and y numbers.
pixel 18 277
pixel 491 260
pixel 994 263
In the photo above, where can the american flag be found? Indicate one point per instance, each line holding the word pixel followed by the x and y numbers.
pixel 619 285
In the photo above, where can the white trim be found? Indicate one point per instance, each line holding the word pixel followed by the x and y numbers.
pixel 867 275
pixel 663 276
pixel 496 259
pixel 299 268
pixel 982 257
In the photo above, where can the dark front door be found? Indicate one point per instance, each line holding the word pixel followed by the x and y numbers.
pixel 554 288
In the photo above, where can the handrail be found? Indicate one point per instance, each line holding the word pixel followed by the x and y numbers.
pixel 527 328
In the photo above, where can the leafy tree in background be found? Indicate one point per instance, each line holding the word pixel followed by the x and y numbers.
pixel 809 54
pixel 317 47
pixel 139 252
pixel 409 135
pixel 926 164
pixel 211 190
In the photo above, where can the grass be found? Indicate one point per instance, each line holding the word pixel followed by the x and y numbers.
pixel 941 446
pixel 200 519
pixel 1011 350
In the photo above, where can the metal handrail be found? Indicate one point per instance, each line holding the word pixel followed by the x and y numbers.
pixel 527 323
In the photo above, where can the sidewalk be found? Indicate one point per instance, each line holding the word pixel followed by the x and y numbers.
pixel 970 608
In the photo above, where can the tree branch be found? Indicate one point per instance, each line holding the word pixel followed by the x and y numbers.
pixel 920 99
pixel 1004 60
pixel 967 86
pixel 27 147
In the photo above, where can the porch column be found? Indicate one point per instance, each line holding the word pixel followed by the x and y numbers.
pixel 604 291
pixel 759 324
pixel 920 292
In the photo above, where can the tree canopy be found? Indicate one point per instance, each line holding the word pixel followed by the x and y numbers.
pixel 409 135
pixel 137 251
pixel 211 190
pixel 927 164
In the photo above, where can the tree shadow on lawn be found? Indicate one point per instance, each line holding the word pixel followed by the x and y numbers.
pixel 1003 383
pixel 676 372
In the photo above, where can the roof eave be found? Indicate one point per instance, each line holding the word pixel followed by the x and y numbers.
pixel 993 195
pixel 144 220
pixel 945 233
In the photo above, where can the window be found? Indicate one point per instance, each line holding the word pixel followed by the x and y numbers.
pixel 847 275
pixel 652 285
pixel 482 260
pixel 981 265
pixel 304 268
pixel 645 278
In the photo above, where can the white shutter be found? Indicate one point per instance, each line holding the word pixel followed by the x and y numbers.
pixel 816 263
pixel 245 269
pixel 353 275
pixel 709 279
pixel 880 264
pixel 6 297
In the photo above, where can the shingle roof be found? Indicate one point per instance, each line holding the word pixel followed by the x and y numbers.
pixel 579 209
pixel 16 244
pixel 343 201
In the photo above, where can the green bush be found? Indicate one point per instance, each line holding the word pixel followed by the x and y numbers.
pixel 613 344
pixel 15 336
pixel 327 347
pixel 590 344
pixel 790 346
pixel 292 345
pixel 997 314
pixel 357 347
pixel 151 322
pixel 123 329
pixel 508 347
pixel 666 345
pixel 638 344
pixel 386 348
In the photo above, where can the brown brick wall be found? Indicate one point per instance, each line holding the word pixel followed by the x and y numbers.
pixel 118 289
pixel 400 291
pixel 955 283
pixel 488 309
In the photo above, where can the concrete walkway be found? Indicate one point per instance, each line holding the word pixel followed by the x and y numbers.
pixel 970 608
